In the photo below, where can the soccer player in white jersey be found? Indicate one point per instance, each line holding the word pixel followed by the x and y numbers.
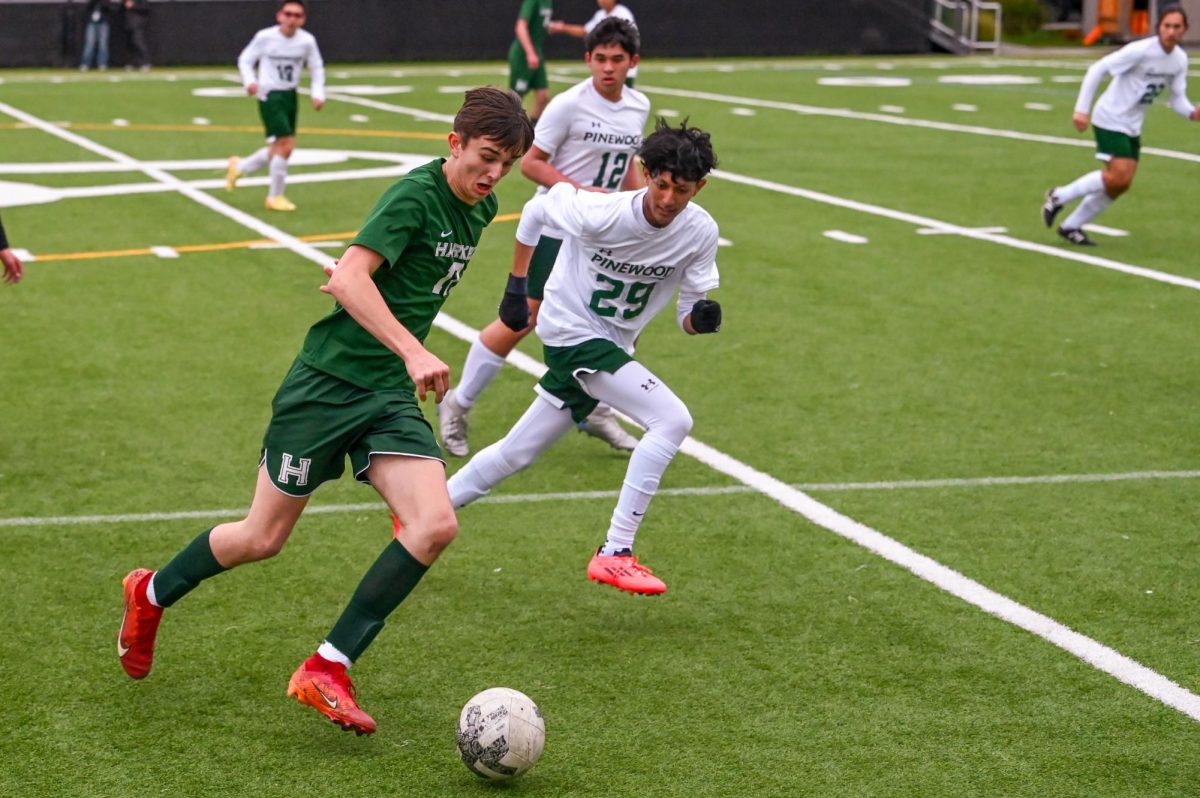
pixel 623 256
pixel 608 8
pixel 587 137
pixel 280 52
pixel 1141 71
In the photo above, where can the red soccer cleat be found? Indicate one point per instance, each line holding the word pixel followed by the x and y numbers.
pixel 139 625
pixel 324 686
pixel 623 571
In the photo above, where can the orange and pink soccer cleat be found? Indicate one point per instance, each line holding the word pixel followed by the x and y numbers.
pixel 139 625
pixel 324 686
pixel 623 571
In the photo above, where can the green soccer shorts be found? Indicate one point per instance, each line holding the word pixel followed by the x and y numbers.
pixel 318 419
pixel 520 77
pixel 541 264
pixel 1111 144
pixel 278 114
pixel 560 385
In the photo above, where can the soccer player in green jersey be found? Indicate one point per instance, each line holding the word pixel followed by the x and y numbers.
pixel 526 65
pixel 353 392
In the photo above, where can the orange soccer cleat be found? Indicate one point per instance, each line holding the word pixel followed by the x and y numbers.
pixel 623 571
pixel 324 686
pixel 139 625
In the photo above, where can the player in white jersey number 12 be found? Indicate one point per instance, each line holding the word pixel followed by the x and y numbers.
pixel 1141 71
pixel 280 52
pixel 588 137
pixel 623 257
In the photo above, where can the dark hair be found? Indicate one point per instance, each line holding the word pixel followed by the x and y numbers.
pixel 1173 8
pixel 291 3
pixel 496 114
pixel 614 30
pixel 685 152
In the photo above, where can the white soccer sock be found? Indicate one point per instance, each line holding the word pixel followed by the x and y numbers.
pixel 646 466
pixel 253 162
pixel 150 596
pixel 1088 184
pixel 278 169
pixel 534 433
pixel 331 653
pixel 484 471
pixel 1091 207
pixel 481 368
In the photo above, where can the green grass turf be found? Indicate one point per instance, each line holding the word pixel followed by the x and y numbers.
pixel 783 660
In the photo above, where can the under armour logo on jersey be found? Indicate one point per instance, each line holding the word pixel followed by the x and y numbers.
pixel 605 252
pixel 287 470
pixel 649 385
pixel 596 124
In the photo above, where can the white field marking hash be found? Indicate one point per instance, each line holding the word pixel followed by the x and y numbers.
pixel 1106 231
pixel 1098 655
pixel 841 235
pixel 608 495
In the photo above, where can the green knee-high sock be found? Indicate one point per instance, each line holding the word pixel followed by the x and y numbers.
pixel 387 582
pixel 189 568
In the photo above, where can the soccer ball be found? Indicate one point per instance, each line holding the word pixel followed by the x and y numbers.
pixel 500 734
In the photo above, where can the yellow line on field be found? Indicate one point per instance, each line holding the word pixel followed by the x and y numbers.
pixel 125 253
pixel 308 131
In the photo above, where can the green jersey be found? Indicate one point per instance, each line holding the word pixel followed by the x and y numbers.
pixel 536 14
pixel 426 236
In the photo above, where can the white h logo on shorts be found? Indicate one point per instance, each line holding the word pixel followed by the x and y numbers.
pixel 287 470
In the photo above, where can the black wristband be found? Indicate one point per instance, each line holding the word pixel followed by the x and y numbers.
pixel 517 285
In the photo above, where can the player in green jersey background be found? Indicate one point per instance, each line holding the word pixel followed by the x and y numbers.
pixel 526 65
pixel 353 392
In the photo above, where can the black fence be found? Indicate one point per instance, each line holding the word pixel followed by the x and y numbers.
pixel 46 33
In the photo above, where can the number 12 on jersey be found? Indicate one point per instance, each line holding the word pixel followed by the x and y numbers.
pixel 611 179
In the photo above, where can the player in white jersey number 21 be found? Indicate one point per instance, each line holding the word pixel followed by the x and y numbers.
pixel 1141 71
pixel 623 257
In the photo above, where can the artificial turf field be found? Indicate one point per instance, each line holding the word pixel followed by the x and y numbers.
pixel 910 361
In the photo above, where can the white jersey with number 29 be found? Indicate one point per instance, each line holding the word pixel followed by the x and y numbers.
pixel 615 270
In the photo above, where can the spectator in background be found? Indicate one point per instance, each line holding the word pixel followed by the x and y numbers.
pixel 13 270
pixel 137 17
pixel 608 8
pixel 95 35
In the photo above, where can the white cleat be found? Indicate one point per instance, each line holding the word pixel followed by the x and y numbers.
pixel 603 424
pixel 452 423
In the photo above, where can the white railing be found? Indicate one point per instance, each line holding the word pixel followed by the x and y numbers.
pixel 958 22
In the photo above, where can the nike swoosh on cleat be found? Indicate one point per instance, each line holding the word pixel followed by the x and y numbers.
pixel 122 650
pixel 332 702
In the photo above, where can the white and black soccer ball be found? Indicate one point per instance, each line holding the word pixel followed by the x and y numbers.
pixel 500 733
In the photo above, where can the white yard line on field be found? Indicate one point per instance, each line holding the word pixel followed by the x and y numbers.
pixel 1100 656
pixel 608 495
pixel 889 119
pixel 979 234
